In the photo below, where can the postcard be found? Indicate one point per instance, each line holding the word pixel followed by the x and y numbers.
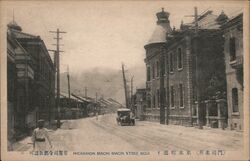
pixel 124 80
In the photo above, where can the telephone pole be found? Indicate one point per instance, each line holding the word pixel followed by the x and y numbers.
pixel 68 83
pixel 195 40
pixel 162 89
pixel 125 86
pixel 196 67
pixel 57 51
pixel 131 94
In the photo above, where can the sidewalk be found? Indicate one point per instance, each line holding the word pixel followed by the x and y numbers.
pixel 23 145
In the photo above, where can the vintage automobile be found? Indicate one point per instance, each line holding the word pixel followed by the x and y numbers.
pixel 125 117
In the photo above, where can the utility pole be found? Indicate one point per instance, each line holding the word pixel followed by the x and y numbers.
pixel 196 20
pixel 26 88
pixel 162 89
pixel 167 93
pixel 125 86
pixel 68 83
pixel 196 67
pixel 131 94
pixel 195 40
pixel 58 32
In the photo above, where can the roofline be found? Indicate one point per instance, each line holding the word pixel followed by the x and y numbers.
pixel 233 21
pixel 152 44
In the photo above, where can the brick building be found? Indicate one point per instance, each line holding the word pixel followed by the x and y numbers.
pixel 35 79
pixel 191 66
pixel 153 49
pixel 233 50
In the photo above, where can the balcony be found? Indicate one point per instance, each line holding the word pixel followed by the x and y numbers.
pixel 237 62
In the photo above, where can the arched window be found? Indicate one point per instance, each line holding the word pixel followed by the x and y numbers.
pixel 148 73
pixel 181 95
pixel 157 69
pixel 171 62
pixel 179 56
pixel 172 99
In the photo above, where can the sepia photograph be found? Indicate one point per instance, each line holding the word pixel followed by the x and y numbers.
pixel 124 80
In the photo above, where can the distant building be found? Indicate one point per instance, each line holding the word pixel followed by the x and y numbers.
pixel 34 75
pixel 233 50
pixel 74 107
pixel 194 72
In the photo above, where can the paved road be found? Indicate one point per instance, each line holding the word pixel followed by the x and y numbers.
pixel 104 134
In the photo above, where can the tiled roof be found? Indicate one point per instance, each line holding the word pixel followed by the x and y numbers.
pixel 19 34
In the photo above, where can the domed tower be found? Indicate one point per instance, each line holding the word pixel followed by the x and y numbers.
pixel 162 28
pixel 153 48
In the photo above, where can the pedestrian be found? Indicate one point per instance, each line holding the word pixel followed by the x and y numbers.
pixel 40 137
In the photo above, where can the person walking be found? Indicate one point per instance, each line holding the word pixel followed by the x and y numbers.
pixel 40 137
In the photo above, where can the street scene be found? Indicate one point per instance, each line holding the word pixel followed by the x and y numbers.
pixel 118 77
pixel 74 135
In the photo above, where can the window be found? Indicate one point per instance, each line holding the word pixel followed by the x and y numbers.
pixel 232 50
pixel 181 95
pixel 171 63
pixel 179 56
pixel 157 69
pixel 153 71
pixel 166 64
pixel 158 97
pixel 149 102
pixel 148 73
pixel 172 96
pixel 235 100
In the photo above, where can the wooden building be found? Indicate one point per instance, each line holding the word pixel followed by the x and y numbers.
pixel 35 80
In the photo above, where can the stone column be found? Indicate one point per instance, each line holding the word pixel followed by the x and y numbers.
pixel 220 106
pixel 197 113
pixel 207 102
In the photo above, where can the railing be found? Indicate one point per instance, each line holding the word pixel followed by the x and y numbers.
pixel 238 62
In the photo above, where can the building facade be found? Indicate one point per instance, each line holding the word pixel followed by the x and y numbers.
pixel 35 80
pixel 185 72
pixel 233 50
pixel 11 85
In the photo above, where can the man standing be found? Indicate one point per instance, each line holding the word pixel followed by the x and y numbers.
pixel 40 137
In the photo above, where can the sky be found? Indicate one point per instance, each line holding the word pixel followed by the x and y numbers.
pixel 102 34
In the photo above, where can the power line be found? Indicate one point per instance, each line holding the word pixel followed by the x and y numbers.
pixel 57 61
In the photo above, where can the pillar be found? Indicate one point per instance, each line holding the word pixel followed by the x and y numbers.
pixel 197 113
pixel 220 107
pixel 208 103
